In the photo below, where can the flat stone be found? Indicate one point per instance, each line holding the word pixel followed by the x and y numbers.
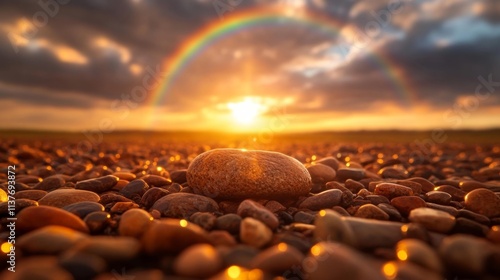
pixel 414 186
pixel 20 205
pixel 370 211
pixel 98 185
pixel 254 233
pixel 171 236
pixel 484 202
pixel 240 174
pixel 250 208
pixel 426 185
pixel 156 180
pixel 322 200
pixel 391 190
pixel 355 174
pixel 128 176
pixel 278 259
pixel 391 211
pixel 134 223
pixel 110 248
pixel 321 173
pixel 30 194
pixel 49 240
pixel 448 209
pixel 432 219
pixel 405 204
pixel 468 226
pixel 438 197
pixel 35 217
pixel 64 197
pixel 354 186
pixel 198 261
pixel 183 205
pixel 83 208
pixel 456 193
pixel 329 161
pixel 50 183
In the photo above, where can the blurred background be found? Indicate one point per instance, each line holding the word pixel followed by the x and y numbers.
pixel 245 65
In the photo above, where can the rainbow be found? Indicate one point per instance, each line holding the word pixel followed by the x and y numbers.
pixel 236 22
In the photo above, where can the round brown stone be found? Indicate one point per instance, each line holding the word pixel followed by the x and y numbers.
pixel 405 204
pixel 484 202
pixel 391 190
pixel 236 174
pixel 64 197
pixel 35 217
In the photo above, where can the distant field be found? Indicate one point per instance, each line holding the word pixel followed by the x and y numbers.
pixel 491 136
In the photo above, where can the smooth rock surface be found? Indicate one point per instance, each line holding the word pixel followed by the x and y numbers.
pixel 64 197
pixel 183 205
pixel 322 200
pixel 250 208
pixel 198 261
pixel 254 233
pixel 432 219
pixel 248 174
pixel 134 223
pixel 484 202
pixel 49 240
pixel 35 217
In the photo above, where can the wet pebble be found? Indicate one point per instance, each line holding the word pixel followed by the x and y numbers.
pixel 156 181
pixel 330 226
pixel 110 248
pixel 179 176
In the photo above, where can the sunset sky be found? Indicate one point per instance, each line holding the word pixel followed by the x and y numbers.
pixel 242 65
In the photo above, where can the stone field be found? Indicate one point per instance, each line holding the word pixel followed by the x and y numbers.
pixel 185 210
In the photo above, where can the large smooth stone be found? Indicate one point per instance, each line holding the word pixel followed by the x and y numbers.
pixel 65 197
pixel 240 174
pixel 183 205
pixel 35 217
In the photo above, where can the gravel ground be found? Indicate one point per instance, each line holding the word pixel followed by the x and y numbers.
pixel 335 211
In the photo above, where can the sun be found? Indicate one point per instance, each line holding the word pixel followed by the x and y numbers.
pixel 246 111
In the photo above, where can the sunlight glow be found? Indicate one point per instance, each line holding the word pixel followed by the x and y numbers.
pixel 246 111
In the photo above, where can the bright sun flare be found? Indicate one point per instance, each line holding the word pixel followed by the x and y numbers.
pixel 246 111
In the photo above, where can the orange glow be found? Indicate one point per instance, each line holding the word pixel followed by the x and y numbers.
pixel 322 213
pixel 402 255
pixel 282 247
pixel 316 250
pixel 390 270
pixel 233 272
pixel 183 223
pixel 5 247
pixel 404 228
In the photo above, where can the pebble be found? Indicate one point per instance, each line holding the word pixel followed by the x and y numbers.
pixel 183 205
pixel 250 208
pixel 278 259
pixel 135 188
pixel 448 209
pixel 20 204
pixel 221 238
pixel 391 190
pixel 255 233
pixel 432 219
pixel 64 197
pixel 152 195
pixel 171 236
pixel 465 254
pixel 329 161
pixel 156 181
pixel 110 248
pixel 30 194
pixel 464 225
pixel 97 221
pixel 456 193
pixel 50 183
pixel 354 186
pixel 369 211
pixel 408 270
pixel 49 240
pixel 240 255
pixel 83 208
pixel 98 185
pixel 303 217
pixel 111 198
pixel 414 186
pixel 416 231
pixel 405 204
pixel 418 252
pixel 82 266
pixel 275 206
pixel 35 217
pixel 321 173
pixel 127 176
pixel 229 222
pixel 179 176
pixel 391 172
pixel 355 174
pixel 391 211
pixel 325 199
pixel 121 207
pixel 494 234
pixel 473 216
pixel 248 174
pixel 438 197
pixel 198 261
pixel 330 226
pixel 337 261
pixel 377 199
pixel 468 186
pixel 484 202
pixel 426 185
pixel 205 220
pixel 134 223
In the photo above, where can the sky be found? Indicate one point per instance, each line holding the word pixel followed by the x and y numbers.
pixel 313 65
